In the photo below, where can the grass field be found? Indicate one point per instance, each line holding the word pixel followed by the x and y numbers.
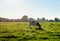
pixel 20 31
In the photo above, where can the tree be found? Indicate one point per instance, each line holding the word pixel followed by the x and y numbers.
pixel 17 20
pixel 38 19
pixel 24 18
pixel 51 20
pixel 0 19
pixel 31 19
pixel 56 19
pixel 43 19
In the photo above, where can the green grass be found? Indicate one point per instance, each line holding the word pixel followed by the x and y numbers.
pixel 20 31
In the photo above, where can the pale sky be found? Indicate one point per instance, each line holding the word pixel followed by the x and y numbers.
pixel 32 8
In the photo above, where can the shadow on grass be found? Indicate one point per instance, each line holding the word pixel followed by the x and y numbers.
pixel 9 36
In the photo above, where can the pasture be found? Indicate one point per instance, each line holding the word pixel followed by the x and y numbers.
pixel 20 31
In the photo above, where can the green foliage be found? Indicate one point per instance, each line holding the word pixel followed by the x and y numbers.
pixel 57 20
pixel 20 31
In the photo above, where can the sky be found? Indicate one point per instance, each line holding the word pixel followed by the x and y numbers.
pixel 32 8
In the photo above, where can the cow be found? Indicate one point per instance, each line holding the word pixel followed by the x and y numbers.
pixel 34 22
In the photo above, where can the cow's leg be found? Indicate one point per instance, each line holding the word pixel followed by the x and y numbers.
pixel 39 26
pixel 30 26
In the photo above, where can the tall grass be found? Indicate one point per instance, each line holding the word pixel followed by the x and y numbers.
pixel 20 31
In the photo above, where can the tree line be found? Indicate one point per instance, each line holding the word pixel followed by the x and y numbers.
pixel 50 20
pixel 25 19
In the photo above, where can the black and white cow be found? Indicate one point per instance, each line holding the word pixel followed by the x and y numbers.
pixel 36 23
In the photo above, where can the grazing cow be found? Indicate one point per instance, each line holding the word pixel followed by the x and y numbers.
pixel 34 22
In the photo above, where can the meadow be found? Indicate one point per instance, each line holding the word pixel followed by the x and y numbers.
pixel 20 31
